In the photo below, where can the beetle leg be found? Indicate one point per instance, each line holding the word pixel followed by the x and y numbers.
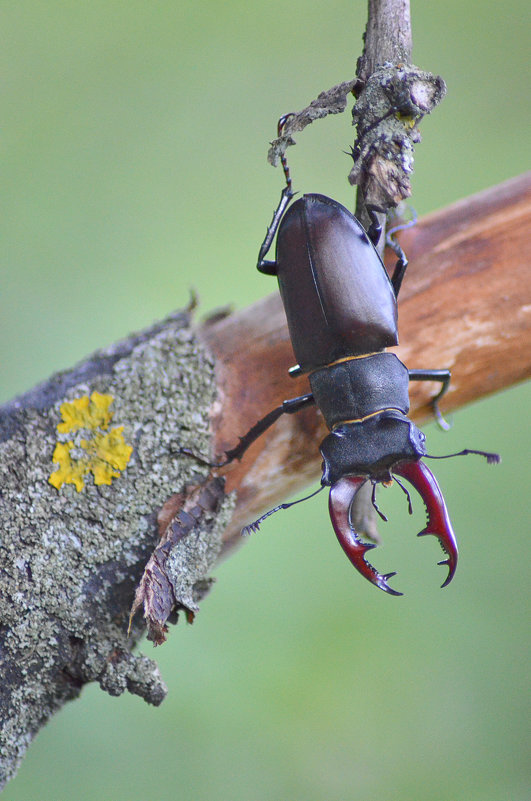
pixel 443 376
pixel 342 495
pixel 264 266
pixel 399 271
pixel 402 262
pixel 438 523
pixel 270 267
pixel 283 160
pixel 287 407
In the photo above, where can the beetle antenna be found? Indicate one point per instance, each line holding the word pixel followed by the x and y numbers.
pixel 492 458
pixel 283 160
pixel 255 525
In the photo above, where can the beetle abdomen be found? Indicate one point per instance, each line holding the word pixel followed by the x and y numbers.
pixel 338 298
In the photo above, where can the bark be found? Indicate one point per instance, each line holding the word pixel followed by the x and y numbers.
pixel 387 36
pixel 72 556
pixel 392 98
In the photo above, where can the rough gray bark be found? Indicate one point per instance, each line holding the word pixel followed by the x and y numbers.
pixel 70 560
pixel 392 98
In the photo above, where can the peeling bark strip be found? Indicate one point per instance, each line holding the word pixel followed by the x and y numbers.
pixel 174 577
pixel 392 98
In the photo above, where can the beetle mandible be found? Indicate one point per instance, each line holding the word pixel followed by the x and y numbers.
pixel 341 308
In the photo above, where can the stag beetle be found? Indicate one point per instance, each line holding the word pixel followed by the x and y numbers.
pixel 341 308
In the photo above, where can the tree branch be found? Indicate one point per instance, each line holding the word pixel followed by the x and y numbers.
pixel 387 36
pixel 71 559
pixel 392 98
pixel 71 554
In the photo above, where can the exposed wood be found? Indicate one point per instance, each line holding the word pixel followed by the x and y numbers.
pixel 465 304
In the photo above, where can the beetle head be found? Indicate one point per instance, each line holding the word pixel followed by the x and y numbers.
pixel 371 447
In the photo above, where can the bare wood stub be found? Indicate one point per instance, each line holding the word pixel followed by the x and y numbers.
pixel 465 304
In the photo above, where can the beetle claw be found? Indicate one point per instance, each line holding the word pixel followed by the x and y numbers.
pixel 450 574
pixel 439 523
pixel 342 495
pixel 383 585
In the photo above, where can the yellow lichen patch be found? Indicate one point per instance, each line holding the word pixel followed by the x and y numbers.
pixel 407 119
pixel 70 471
pixel 105 454
pixel 109 454
pixel 86 412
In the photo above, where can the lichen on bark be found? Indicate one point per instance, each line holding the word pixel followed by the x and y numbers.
pixel 70 560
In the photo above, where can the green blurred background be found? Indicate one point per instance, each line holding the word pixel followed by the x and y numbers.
pixel 133 167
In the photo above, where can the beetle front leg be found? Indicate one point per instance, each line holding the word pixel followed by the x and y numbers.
pixel 264 266
pixel 287 407
pixel 270 267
